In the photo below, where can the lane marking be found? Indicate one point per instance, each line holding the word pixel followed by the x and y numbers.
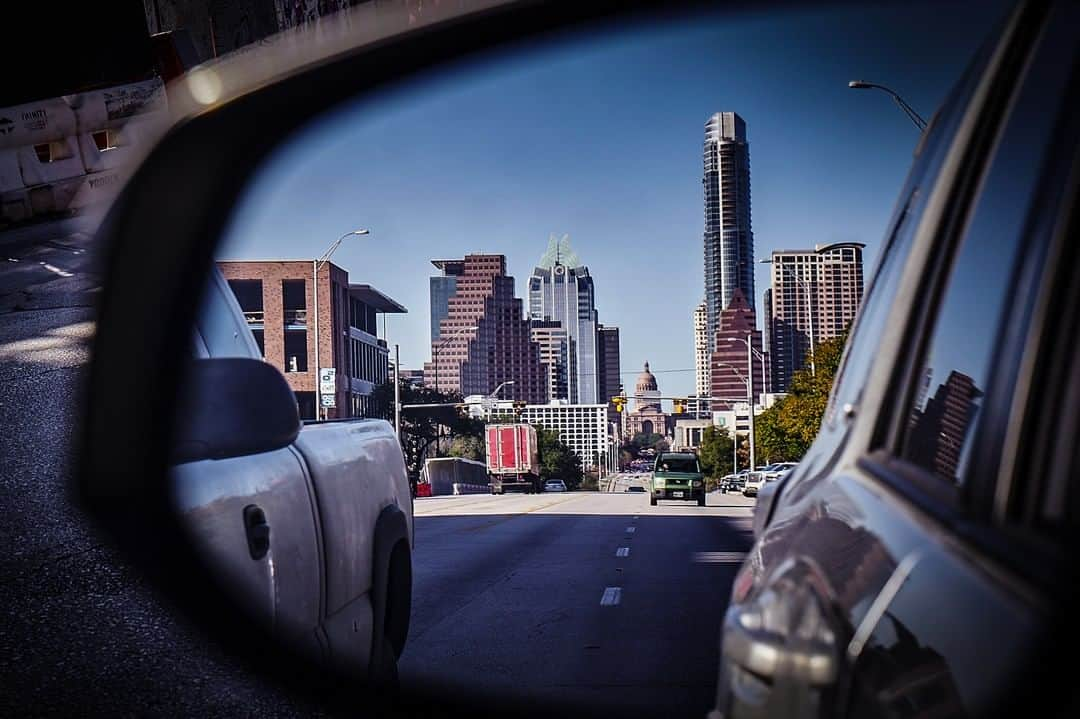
pixel 57 270
pixel 719 557
pixel 622 552
pixel 631 530
pixel 611 597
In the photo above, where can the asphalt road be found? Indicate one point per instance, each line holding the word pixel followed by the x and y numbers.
pixel 593 601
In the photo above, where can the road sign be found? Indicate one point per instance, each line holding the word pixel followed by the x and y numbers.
pixel 328 400
pixel 327 381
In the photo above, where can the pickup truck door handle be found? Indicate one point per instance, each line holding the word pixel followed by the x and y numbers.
pixel 811 660
pixel 257 531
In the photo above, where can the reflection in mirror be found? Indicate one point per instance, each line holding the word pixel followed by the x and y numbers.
pixel 447 287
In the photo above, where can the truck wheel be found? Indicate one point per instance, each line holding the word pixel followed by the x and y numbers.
pixel 652 501
pixel 701 501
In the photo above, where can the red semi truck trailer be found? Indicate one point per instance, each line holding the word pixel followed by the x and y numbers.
pixel 513 459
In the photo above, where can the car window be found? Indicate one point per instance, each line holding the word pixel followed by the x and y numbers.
pixel 869 324
pixel 220 324
pixel 964 351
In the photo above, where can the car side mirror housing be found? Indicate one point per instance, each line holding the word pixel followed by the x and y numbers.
pixel 232 406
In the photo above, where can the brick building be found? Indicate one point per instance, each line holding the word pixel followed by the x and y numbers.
pixel 278 300
pixel 729 366
pixel 485 338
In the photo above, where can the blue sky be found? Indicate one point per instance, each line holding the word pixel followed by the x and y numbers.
pixel 600 137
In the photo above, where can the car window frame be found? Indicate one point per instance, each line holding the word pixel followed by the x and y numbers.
pixel 1002 77
pixel 983 509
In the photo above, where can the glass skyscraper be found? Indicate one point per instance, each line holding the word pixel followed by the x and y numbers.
pixel 729 241
pixel 561 289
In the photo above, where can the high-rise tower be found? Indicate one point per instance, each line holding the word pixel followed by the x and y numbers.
pixel 561 289
pixel 729 241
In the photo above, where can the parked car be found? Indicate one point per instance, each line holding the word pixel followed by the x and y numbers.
pixel 554 485
pixel 929 529
pixel 728 482
pixel 778 470
pixel 309 527
pixel 754 480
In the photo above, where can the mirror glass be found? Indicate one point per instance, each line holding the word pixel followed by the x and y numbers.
pixel 526 237
pixel 495 296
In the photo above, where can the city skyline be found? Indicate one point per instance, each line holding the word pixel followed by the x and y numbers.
pixel 538 143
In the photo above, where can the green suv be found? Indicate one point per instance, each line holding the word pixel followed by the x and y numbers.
pixel 677 475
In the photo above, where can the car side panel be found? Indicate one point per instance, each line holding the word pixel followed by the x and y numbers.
pixel 357 470
pixel 282 587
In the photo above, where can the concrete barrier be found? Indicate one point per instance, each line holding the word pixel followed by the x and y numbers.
pixel 69 152
pixel 460 488
pixel 443 473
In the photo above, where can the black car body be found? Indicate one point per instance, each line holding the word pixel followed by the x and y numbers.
pixel 914 563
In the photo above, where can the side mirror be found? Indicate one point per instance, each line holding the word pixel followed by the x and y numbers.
pixel 233 406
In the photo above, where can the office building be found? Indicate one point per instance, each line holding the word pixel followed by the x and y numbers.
pixel 441 288
pixel 554 345
pixel 815 295
pixel 610 368
pixel 702 352
pixel 729 240
pixel 561 290
pixel 277 299
pixel 485 338
pixel 583 427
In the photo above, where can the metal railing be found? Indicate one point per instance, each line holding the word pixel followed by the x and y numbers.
pixel 254 317
pixel 296 317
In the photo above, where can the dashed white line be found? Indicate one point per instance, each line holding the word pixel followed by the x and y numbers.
pixel 611 597
pixel 719 557
pixel 631 530
pixel 622 552
pixel 57 270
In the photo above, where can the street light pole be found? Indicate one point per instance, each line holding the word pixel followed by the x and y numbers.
pixel 316 265
pixel 906 108
pixel 435 360
pixel 749 381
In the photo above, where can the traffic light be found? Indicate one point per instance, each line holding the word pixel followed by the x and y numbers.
pixel 618 402
pixel 678 406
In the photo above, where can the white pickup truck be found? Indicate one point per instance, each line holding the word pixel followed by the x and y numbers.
pixel 309 526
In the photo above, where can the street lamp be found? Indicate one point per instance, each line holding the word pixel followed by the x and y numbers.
pixel 316 265
pixel 435 359
pixel 907 109
pixel 749 396
pixel 809 308
pixel 495 393
pixel 757 354
pixel 435 350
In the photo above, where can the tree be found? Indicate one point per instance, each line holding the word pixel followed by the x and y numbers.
pixel 787 429
pixel 420 428
pixel 467 447
pixel 557 460
pixel 715 452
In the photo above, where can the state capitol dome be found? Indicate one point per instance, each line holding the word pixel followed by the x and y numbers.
pixel 646 381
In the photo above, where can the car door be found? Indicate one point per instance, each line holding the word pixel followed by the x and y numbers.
pixel 253 516
pixel 838 544
pixel 960 617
